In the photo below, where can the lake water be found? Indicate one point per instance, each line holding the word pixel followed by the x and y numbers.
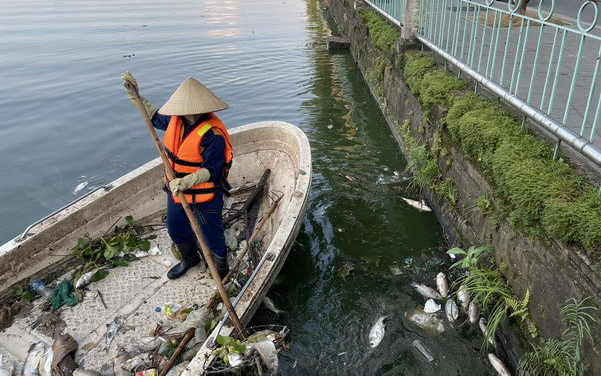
pixel 67 120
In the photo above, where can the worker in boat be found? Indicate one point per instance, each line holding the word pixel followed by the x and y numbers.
pixel 199 149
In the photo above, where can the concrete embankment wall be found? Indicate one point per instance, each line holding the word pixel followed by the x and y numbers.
pixel 551 271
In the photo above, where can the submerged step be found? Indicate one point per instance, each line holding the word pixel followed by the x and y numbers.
pixel 338 43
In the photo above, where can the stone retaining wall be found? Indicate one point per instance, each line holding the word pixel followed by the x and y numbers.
pixel 552 272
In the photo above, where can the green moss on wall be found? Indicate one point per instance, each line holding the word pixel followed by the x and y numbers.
pixel 536 194
pixel 424 167
pixel 383 34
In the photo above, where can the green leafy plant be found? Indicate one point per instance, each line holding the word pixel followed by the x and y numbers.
pixel 25 293
pixel 114 250
pixel 228 346
pixel 562 357
pixel 471 257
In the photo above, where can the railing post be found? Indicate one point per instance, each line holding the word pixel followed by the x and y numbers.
pixel 409 19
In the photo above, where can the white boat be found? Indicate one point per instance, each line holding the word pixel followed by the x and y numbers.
pixel 136 291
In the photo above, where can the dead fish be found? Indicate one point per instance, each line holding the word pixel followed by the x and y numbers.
pixel 451 310
pixel 442 284
pixel 431 306
pixel 271 306
pixel 419 205
pixel 377 332
pixel 498 365
pixel 34 358
pixel 473 312
pixel 85 279
pixel 484 329
pixel 464 298
pixel 426 291
pixel 111 331
pixel 268 354
pixel 235 359
pixel 79 187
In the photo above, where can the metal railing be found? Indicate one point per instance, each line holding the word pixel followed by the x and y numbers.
pixel 391 9
pixel 539 64
pixel 545 66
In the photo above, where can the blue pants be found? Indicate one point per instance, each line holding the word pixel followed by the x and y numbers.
pixel 209 218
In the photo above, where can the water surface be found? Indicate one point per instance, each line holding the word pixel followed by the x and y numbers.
pixel 67 120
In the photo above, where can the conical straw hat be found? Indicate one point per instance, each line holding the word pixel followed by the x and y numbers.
pixel 191 98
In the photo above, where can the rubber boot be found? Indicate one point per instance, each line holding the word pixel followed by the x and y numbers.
pixel 190 258
pixel 221 264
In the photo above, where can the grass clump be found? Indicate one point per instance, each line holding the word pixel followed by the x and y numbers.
pixel 383 34
pixel 433 86
pixel 562 357
pixel 424 168
pixel 488 289
pixel 539 195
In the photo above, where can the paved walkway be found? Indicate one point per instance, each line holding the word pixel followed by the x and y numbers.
pixel 518 51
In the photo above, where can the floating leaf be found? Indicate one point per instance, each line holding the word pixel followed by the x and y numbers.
pixel 100 275
pixel 18 290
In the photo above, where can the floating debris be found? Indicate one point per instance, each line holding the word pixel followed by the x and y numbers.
pixel 498 365
pixel 271 306
pixel 427 321
pixel 377 332
pixel 431 306
pixel 419 205
pixel 425 291
pixel 395 270
pixel 442 284
pixel 423 350
pixel 268 354
pixel 451 310
pixel 345 269
pixel 349 178
pixel 330 126
pixel 79 187
pixel 473 312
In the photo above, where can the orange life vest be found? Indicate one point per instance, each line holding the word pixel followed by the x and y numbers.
pixel 185 156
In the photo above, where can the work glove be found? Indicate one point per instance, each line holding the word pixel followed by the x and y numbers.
pixel 128 78
pixel 200 176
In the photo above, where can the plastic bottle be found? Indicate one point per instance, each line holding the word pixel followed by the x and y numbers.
pixel 41 288
pixel 423 349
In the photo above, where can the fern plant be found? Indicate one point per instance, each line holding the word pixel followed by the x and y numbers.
pixel 562 357
pixel 488 289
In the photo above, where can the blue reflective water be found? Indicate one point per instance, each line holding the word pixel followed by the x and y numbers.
pixel 67 120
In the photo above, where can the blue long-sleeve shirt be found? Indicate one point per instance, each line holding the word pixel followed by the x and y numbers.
pixel 212 146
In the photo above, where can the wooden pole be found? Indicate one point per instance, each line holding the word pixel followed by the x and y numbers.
pixel 180 348
pixel 193 222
